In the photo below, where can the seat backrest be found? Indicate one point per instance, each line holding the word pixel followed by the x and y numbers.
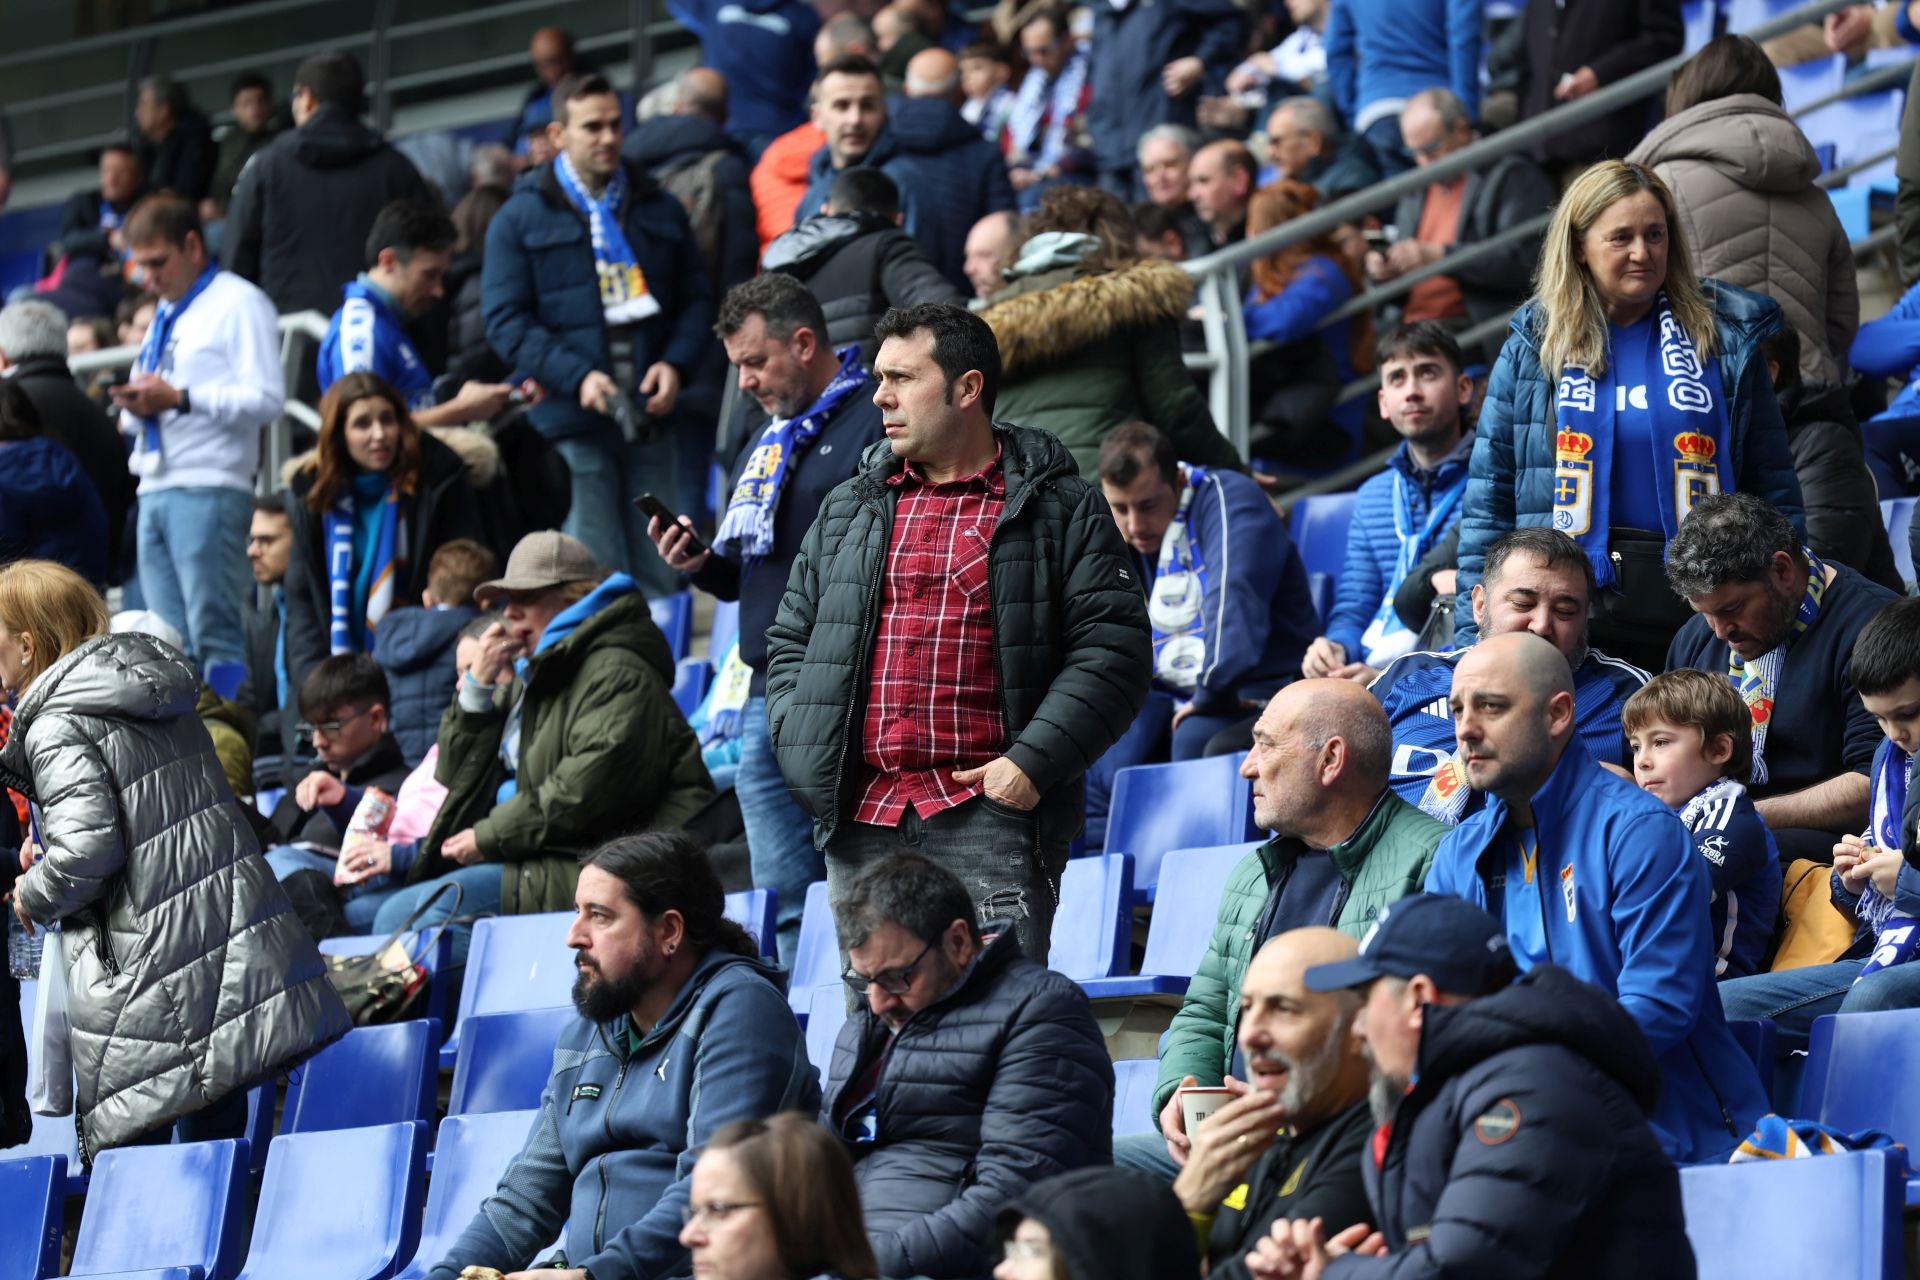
pixel 816 960
pixel 726 625
pixel 371 1075
pixel 826 1014
pixel 505 1060
pixel 1133 1082
pixel 1845 1049
pixel 1094 922
pixel 1855 125
pixel 1759 1040
pixel 224 677
pixel 1858 1197
pixel 1697 21
pixel 1188 805
pixel 674 616
pixel 34 1193
pixel 1188 905
pixel 468 1161
pixel 1806 81
pixel 1898 516
pixel 1319 526
pixel 516 962
pixel 164 1206
pixel 339 1205
pixel 755 911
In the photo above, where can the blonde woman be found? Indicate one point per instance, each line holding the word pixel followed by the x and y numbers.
pixel 189 977
pixel 1627 390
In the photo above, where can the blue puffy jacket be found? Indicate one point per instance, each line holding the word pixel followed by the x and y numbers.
pixel 415 647
pixel 541 295
pixel 949 178
pixel 611 1153
pixel 1373 540
pixel 1132 45
pixel 1511 474
pixel 1635 923
pixel 49 509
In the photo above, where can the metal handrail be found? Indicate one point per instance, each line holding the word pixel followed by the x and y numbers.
pixel 161 30
pixel 1447 265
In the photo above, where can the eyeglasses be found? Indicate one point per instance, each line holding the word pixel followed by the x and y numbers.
pixel 895 982
pixel 1026 1251
pixel 1427 151
pixel 331 728
pixel 713 1210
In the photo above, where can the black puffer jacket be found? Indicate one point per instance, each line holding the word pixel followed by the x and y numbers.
pixel 1523 1150
pixel 81 425
pixel 1001 1083
pixel 858 265
pixel 1843 512
pixel 1070 626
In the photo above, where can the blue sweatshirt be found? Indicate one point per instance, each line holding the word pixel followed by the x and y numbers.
pixel 1385 51
pixel 1890 348
pixel 369 335
pixel 1743 866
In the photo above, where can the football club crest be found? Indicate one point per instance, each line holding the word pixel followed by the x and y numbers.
pixel 1694 474
pixel 1573 482
pixel 1567 892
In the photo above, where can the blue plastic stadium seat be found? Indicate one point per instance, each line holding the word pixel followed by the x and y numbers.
pixel 1847 1049
pixel 826 1014
pixel 1319 527
pixel 816 960
pixel 224 677
pixel 1856 1196
pixel 370 1076
pixel 1759 1039
pixel 470 1157
pixel 1190 804
pixel 1133 1082
pixel 1320 591
pixel 1745 15
pixel 1697 19
pixel 1182 924
pixel 1899 55
pixel 52 1135
pixel 514 962
pixel 755 910
pixel 1807 81
pixel 437 958
pixel 1898 515
pixel 1094 923
pixel 726 625
pixel 690 680
pixel 174 1207
pixel 340 1205
pixel 506 1060
pixel 674 616
pixel 34 1193
pixel 1857 127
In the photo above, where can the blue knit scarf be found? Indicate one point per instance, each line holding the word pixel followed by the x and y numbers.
pixel 345 633
pixel 623 286
pixel 1895 937
pixel 153 359
pixel 746 530
pixel 1176 601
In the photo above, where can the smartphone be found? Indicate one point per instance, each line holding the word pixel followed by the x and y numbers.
pixel 659 511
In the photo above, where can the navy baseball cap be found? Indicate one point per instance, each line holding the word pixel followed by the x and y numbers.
pixel 1457 944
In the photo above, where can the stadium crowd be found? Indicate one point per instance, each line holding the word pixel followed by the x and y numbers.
pixel 1621 596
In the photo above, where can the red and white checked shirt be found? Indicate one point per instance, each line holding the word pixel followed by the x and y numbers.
pixel 933 692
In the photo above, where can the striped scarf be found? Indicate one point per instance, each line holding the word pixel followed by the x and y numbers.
pixel 623 286
pixel 345 632
pixel 1759 680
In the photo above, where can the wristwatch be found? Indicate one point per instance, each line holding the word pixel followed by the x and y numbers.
pixel 186 402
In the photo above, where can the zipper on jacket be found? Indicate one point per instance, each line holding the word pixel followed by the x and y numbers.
pixel 868 631
pixel 606 1122
pixel 1726 1116
pixel 999 670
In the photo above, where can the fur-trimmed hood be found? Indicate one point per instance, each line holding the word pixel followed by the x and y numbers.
pixel 1047 317
pixel 475 449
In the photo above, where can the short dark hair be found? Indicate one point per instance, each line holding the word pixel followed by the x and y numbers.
pixel 335 80
pixel 962 341
pixel 1886 653
pixel 783 304
pixel 124 148
pixel 864 190
pixel 457 568
pixel 1782 347
pixel 270 504
pixel 907 890
pixel 1554 549
pixel 987 51
pixel 1053 18
pixel 848 64
pixel 1725 65
pixel 1130 449
pixel 344 680
pixel 1727 537
pixel 664 871
pixel 19 418
pixel 165 217
pixel 478 627
pixel 249 80
pixel 407 227
pixel 1152 221
pixel 1419 338
pixel 581 84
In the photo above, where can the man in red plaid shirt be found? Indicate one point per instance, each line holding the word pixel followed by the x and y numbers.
pixel 961 636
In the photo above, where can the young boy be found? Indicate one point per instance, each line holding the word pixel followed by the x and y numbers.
pixel 1692 741
pixel 1871 871
pixel 415 647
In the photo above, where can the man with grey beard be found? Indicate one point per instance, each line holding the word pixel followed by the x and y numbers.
pixel 1288 1146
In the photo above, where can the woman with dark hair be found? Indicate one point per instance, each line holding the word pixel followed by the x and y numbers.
pixel 775 1199
pixel 1742 176
pixel 469 358
pixel 1089 334
pixel 49 508
pixel 369 505
pixel 1294 387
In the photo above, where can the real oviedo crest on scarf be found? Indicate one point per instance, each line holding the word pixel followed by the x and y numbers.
pixel 1694 474
pixel 1573 476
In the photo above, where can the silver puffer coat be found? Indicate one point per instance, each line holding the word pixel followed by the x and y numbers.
pixel 189 975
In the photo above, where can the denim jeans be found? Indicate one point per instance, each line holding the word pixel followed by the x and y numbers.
pixel 479 895
pixel 361 902
pixel 995 852
pixel 608 474
pixel 193 566
pixel 779 832
pixel 1793 998
pixel 1146 1152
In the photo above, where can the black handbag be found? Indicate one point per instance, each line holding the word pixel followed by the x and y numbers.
pixel 386 984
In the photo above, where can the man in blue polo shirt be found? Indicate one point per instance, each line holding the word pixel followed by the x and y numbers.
pixel 407 255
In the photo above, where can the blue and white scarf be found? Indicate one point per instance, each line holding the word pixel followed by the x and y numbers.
pixel 746 530
pixel 1895 937
pixel 1176 601
pixel 1689 412
pixel 1386 637
pixel 623 286
pixel 155 357
pixel 389 552
pixel 1758 680
pixel 1058 104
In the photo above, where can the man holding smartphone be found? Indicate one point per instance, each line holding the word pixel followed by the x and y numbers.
pixel 820 419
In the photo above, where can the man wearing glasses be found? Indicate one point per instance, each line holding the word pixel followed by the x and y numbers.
pixel 970 1074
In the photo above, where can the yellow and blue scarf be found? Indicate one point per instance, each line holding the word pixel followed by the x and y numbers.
pixel 623 286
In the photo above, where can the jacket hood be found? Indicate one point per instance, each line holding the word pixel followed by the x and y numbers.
pixel 820 237
pixel 1746 137
pixel 665 138
pixel 927 126
pixel 619 617
pixel 1028 455
pixel 409 640
pixel 210 706
pixel 463 446
pixel 129 676
pixel 1100 1218
pixel 1046 318
pixel 332 139
pixel 1547 1006
pixel 716 961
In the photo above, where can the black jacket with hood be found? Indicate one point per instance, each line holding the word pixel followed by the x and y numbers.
pixel 1843 510
pixel 1109 1224
pixel 304 204
pixel 666 145
pixel 858 265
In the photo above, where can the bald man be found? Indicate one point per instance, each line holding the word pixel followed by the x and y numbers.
pixel 986 254
pixel 688 150
pixel 1289 1144
pixel 935 73
pixel 1220 182
pixel 1344 846
pixel 1589 872
pixel 551 53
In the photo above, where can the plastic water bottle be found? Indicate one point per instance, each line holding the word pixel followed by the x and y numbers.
pixel 23 952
